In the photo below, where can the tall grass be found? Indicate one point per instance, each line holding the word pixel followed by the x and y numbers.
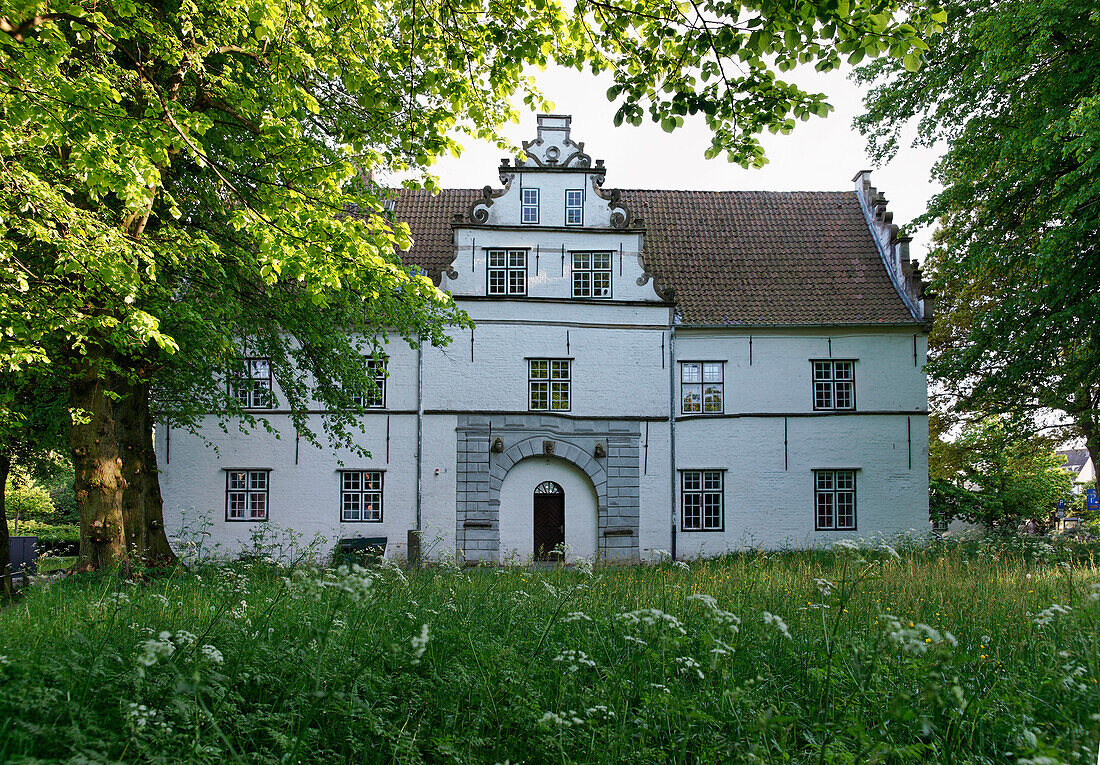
pixel 945 653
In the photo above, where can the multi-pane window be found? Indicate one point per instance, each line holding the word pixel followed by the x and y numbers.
pixel 701 387
pixel 834 384
pixel 548 384
pixel 701 500
pixel 375 397
pixel 252 387
pixel 574 207
pixel 361 496
pixel 592 274
pixel 507 272
pixel 529 206
pixel 246 495
pixel 835 499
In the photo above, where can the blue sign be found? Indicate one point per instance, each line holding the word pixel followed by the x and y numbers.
pixel 1092 502
pixel 1062 504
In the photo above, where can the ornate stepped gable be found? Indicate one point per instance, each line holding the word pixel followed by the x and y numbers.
pixel 726 257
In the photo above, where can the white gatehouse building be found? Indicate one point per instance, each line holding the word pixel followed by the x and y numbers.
pixel 688 371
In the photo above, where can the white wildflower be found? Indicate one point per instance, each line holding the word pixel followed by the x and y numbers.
pixel 577 616
pixel 688 665
pixel 1094 592
pixel 636 641
pixel 846 544
pixel 778 623
pixel 660 687
pixel 824 586
pixel 212 653
pixel 1047 615
pixel 420 644
pixel 681 564
pixel 707 600
pixel 574 660
pixel 915 638
pixel 652 617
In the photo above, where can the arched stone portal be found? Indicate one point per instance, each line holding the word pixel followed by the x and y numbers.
pixel 555 492
pixel 605 451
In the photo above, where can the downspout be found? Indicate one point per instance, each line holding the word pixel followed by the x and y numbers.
pixel 672 428
pixel 419 428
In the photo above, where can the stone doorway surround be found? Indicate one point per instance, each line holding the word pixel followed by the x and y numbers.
pixel 606 450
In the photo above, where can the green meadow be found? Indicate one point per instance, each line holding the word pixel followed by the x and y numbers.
pixel 970 652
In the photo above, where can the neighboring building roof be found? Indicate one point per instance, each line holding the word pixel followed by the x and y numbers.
pixel 1076 459
pixel 730 257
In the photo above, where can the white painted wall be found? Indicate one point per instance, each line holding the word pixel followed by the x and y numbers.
pixel 517 508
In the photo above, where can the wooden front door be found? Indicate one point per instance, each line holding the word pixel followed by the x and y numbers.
pixel 549 519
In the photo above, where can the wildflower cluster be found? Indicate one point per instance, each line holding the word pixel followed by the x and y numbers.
pixel 777 622
pixel 915 638
pixel 652 617
pixel 1047 615
pixel 722 618
pixel 574 660
pixel 419 644
pixel 572 717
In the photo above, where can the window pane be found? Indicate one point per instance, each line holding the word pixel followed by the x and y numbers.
pixel 236 480
pixel 691 373
pixel 259 368
pixel 372 507
pixel 573 197
pixel 238 501
pixel 712 511
pixel 517 259
pixel 712 480
pixel 517 282
pixel 601 261
pixel 581 260
pixel 712 398
pixel 372 481
pixel 540 369
pixel 582 284
pixel 257 504
pixel 540 395
pixel 845 509
pixel 845 480
pixel 825 511
pixel 823 370
pixel 352 481
pixel 844 395
pixel 823 395
pixel 712 373
pixel 496 282
pixel 843 370
pixel 497 258
pixel 559 395
pixel 351 507
pixel 693 399
pixel 257 480
pixel 530 196
pixel 601 284
pixel 693 481
pixel 693 511
pixel 559 370
pixel 825 480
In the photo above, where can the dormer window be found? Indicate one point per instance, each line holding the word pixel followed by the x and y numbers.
pixel 507 272
pixel 574 207
pixel 529 207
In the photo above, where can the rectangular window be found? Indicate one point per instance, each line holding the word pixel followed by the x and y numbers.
pixel 361 496
pixel 548 385
pixel 834 384
pixel 701 387
pixel 574 207
pixel 701 500
pixel 375 398
pixel 252 387
pixel 507 272
pixel 592 274
pixel 835 500
pixel 246 495
pixel 529 206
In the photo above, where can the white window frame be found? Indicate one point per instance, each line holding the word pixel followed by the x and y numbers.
pixel 376 397
pixel 574 207
pixel 834 384
pixel 505 272
pixel 704 383
pixel 549 385
pixel 589 279
pixel 702 500
pixel 252 388
pixel 361 496
pixel 247 495
pixel 835 499
pixel 529 203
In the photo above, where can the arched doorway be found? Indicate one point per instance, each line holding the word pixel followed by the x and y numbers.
pixel 549 519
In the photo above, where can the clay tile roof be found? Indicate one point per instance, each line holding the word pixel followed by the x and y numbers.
pixel 730 257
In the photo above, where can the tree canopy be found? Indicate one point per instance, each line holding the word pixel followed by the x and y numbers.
pixel 1011 90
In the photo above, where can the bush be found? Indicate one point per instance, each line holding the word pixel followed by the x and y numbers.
pixel 47 532
pixel 29 501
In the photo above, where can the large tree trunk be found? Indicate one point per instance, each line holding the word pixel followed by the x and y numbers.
pixel 5 551
pixel 96 463
pixel 1092 444
pixel 142 506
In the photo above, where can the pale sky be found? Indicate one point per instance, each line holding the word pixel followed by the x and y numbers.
pixel 819 155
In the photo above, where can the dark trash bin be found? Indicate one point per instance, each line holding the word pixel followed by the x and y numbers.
pixel 24 555
pixel 361 550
